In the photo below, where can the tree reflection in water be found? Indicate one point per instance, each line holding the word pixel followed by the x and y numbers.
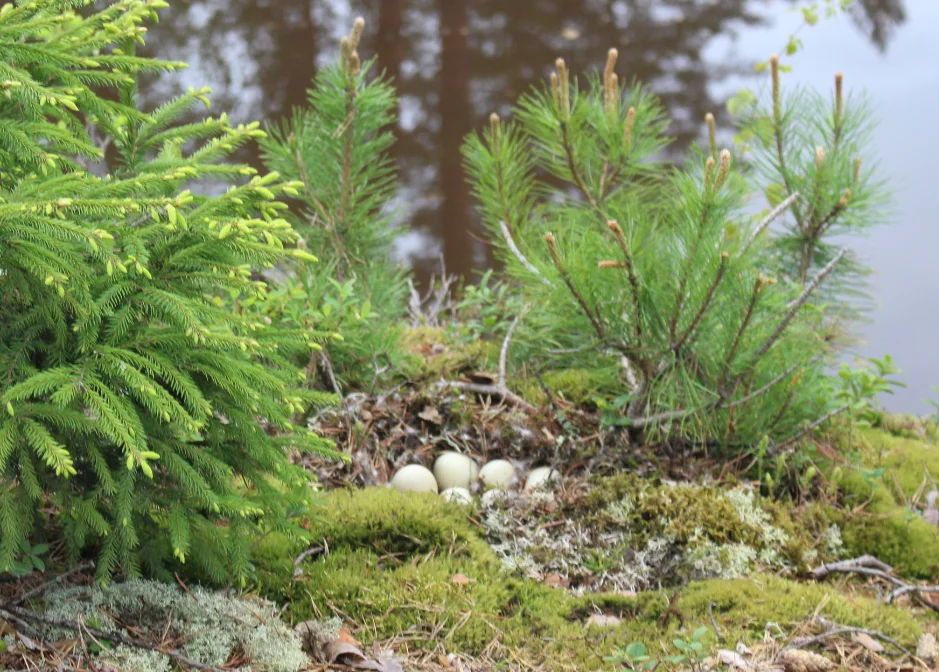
pixel 455 61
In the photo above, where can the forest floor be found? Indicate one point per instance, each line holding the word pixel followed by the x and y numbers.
pixel 673 552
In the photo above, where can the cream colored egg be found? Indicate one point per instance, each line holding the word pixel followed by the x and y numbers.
pixel 414 478
pixel 497 474
pixel 455 470
pixel 540 477
pixel 458 495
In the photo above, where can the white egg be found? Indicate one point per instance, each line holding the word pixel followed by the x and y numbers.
pixel 497 474
pixel 540 477
pixel 414 478
pixel 455 470
pixel 458 495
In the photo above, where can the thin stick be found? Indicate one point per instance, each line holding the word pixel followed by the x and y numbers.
pixel 843 630
pixel 717 632
pixel 39 590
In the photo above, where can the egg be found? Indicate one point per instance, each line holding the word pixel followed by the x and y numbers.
pixel 458 495
pixel 414 478
pixel 455 470
pixel 540 477
pixel 497 474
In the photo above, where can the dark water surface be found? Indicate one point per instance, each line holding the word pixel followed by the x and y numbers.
pixel 456 61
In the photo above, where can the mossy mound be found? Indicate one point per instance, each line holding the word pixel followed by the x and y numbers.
pixel 413 564
pixel 434 353
pixel 887 470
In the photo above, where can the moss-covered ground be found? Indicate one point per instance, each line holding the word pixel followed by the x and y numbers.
pixel 413 566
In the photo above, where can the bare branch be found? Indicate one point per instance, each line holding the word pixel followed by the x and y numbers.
pixel 771 217
pixel 797 304
pixel 504 352
pixel 489 390
pixel 518 253
pixel 774 450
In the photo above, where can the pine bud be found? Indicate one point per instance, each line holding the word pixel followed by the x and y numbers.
pixel 777 101
pixel 345 50
pixel 620 236
pixel 819 157
pixel 724 169
pixel 845 197
pixel 628 133
pixel 708 171
pixel 355 65
pixel 553 250
pixel 356 35
pixel 839 99
pixel 613 101
pixel 555 91
pixel 564 85
pixel 712 133
pixel 610 81
pixel 494 132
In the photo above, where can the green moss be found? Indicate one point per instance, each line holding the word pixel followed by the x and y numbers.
pixel 888 470
pixel 396 564
pixel 579 386
pixel 434 354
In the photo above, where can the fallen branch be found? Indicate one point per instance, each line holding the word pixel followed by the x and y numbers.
pixel 868 565
pixel 488 390
pixel 46 585
pixel 78 627
pixel 836 630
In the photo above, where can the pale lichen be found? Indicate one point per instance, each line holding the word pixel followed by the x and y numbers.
pixel 210 627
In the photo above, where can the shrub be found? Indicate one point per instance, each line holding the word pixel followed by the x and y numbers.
pixel 140 412
pixel 337 149
pixel 652 267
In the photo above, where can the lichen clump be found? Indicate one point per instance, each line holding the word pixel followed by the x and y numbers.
pixel 205 626
pixel 627 533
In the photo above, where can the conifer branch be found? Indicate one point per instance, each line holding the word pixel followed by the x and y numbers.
pixel 797 304
pixel 565 276
pixel 709 297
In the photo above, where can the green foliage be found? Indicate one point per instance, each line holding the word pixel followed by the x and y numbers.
pixel 631 263
pixel 691 652
pixel 337 148
pixel 817 146
pixel 142 415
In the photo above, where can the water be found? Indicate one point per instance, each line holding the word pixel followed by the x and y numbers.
pixel 455 61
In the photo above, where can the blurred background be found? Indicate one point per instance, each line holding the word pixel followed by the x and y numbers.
pixel 455 61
